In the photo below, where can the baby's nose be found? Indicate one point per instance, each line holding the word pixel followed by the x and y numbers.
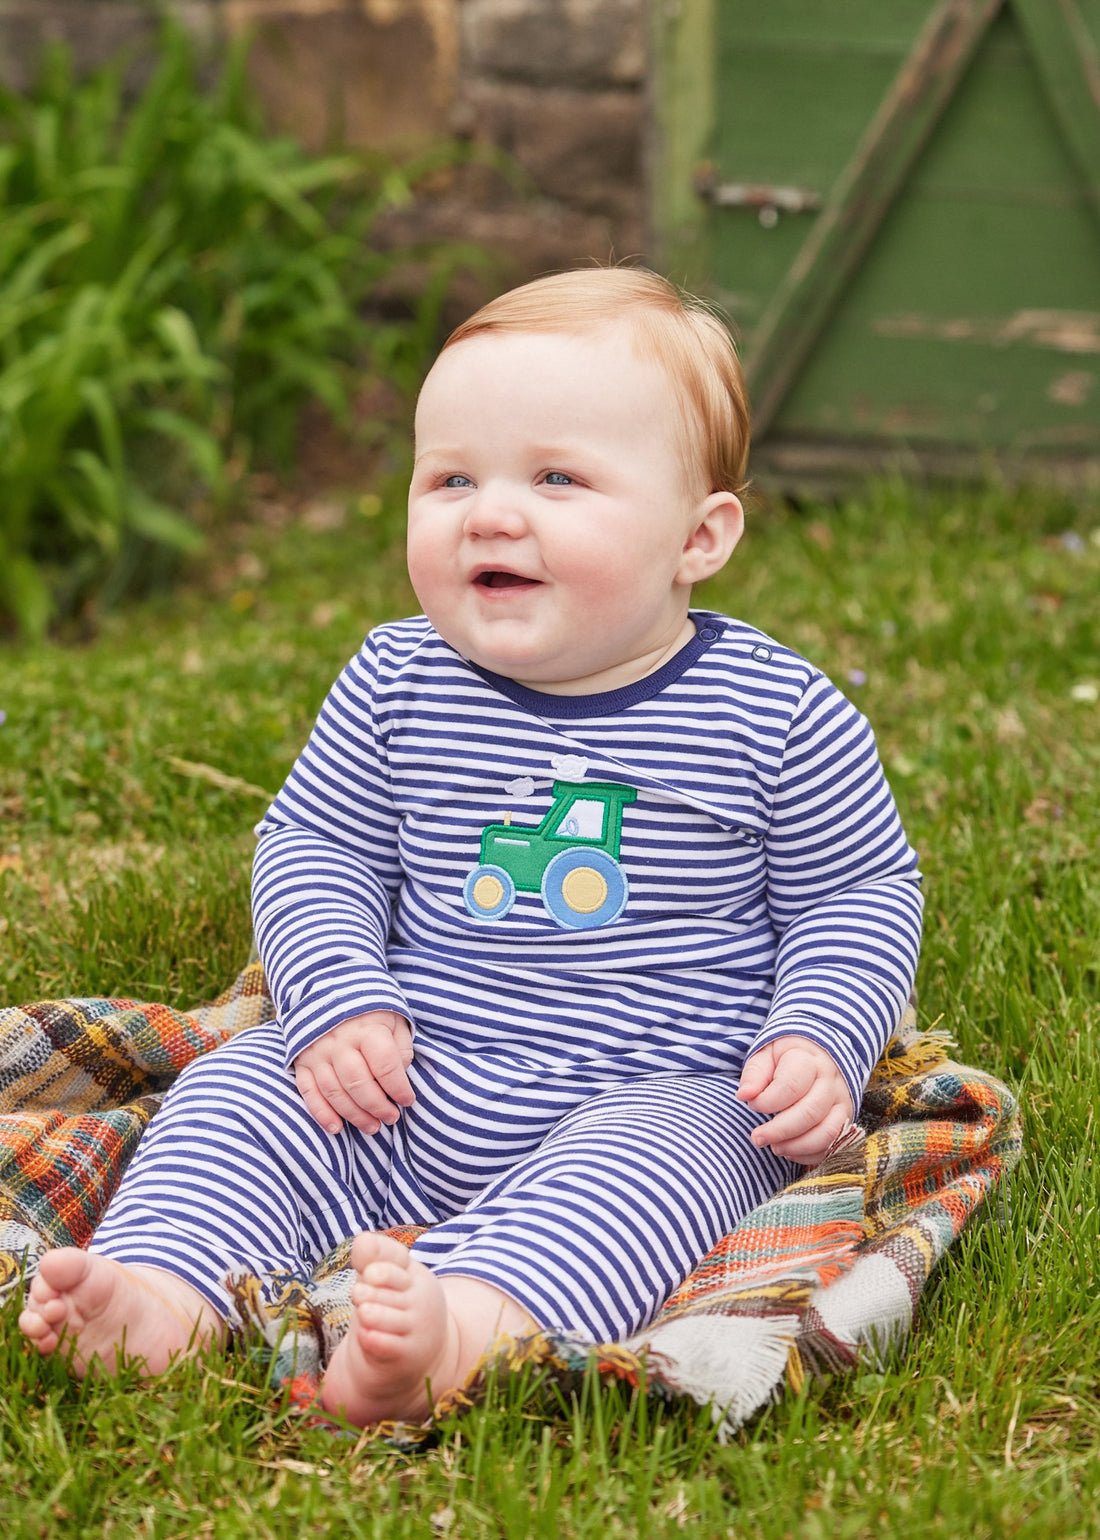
pixel 496 510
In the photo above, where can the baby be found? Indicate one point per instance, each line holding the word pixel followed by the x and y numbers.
pixel 586 914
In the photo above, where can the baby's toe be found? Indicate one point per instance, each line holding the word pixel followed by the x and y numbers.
pixel 388 1320
pixel 63 1270
pixel 30 1323
pixel 370 1247
pixel 387 1275
pixel 50 1311
pixel 40 1293
pixel 38 1330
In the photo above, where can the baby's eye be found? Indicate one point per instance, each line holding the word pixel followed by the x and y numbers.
pixel 558 479
pixel 458 481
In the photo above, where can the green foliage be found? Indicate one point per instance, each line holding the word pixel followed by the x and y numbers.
pixel 174 287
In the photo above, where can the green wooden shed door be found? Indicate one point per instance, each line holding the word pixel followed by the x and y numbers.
pixel 898 202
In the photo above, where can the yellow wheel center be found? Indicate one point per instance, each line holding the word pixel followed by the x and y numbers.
pixel 584 890
pixel 488 891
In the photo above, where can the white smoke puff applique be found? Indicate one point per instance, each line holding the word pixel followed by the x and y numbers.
pixel 569 767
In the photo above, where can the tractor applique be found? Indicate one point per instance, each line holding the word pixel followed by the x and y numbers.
pixel 571 858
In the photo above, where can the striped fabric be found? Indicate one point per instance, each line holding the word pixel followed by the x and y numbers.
pixel 767 887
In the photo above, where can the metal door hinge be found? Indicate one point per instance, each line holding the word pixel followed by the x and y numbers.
pixel 769 199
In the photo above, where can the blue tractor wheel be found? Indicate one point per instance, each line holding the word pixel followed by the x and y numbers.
pixel 489 892
pixel 583 888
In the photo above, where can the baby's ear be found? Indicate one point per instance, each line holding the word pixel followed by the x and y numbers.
pixel 718 525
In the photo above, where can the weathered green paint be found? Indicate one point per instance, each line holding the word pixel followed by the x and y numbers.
pixel 1068 61
pixel 943 305
pixel 859 199
pixel 975 317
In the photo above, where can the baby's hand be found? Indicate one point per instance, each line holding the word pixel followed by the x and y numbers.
pixel 802 1085
pixel 357 1072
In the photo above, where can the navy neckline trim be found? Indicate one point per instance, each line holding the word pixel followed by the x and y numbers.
pixel 708 628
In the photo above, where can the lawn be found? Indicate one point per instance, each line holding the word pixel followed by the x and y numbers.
pixel 132 768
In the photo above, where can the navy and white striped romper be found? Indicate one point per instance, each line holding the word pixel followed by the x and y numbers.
pixel 592 909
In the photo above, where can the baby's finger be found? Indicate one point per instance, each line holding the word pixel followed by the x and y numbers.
pixel 318 1105
pixel 368 1097
pixel 338 1095
pixel 794 1076
pixel 757 1073
pixel 357 1081
pixel 793 1122
pixel 387 1066
pixel 814 1146
pixel 403 1037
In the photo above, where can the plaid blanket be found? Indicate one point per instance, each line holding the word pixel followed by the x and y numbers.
pixel 825 1274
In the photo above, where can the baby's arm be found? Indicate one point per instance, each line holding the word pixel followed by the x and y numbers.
pixel 801 1085
pixel 843 895
pixel 357 1072
pixel 325 878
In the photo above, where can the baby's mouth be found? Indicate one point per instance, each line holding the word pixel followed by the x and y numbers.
pixel 494 578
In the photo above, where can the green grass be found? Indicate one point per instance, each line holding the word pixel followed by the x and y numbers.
pixel 974 622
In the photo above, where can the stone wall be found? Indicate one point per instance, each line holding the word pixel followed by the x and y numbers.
pixel 558 86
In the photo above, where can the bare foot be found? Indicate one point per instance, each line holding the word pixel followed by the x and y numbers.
pixel 401 1338
pixel 110 1314
pixel 413 1336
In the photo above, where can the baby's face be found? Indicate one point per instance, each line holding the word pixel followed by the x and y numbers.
pixel 549 509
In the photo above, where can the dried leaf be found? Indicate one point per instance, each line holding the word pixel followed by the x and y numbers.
pixel 200 772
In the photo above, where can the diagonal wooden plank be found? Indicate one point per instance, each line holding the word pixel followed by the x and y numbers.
pixel 857 203
pixel 1067 58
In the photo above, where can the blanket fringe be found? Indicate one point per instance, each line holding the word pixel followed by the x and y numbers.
pixel 693 1356
pixel 913 1053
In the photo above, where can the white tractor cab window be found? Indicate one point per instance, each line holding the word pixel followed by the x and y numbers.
pixel 583 819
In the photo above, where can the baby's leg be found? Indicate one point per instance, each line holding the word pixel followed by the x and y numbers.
pixel 597 1227
pixel 233 1174
pixel 590 1233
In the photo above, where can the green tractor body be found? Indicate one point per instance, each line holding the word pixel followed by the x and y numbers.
pixel 571 858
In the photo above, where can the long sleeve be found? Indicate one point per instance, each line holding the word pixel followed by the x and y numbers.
pixel 843 890
pixel 326 872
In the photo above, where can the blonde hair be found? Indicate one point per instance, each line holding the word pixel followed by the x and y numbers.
pixel 670 328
